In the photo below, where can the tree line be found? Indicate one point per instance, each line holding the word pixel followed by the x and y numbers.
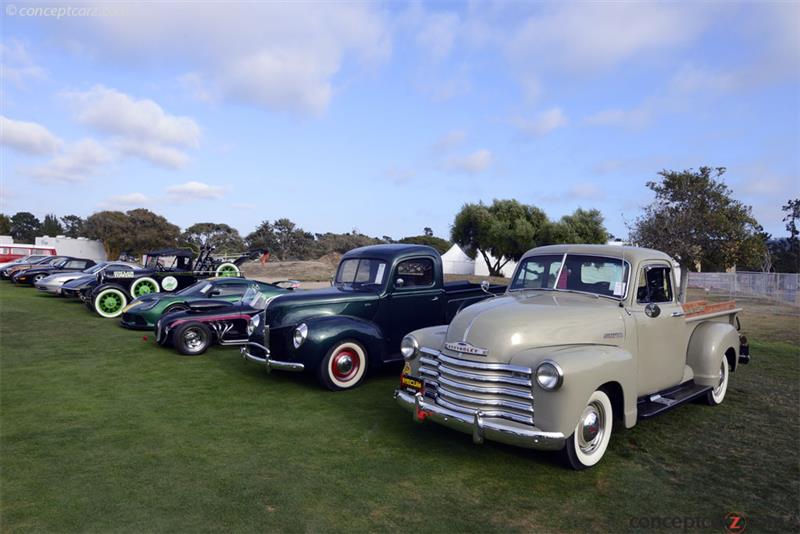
pixel 693 217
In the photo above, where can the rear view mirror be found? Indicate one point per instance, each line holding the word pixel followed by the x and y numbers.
pixel 652 310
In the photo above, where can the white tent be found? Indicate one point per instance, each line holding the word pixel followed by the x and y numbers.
pixel 456 261
pixel 481 269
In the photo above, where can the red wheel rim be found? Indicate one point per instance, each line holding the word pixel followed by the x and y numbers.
pixel 345 364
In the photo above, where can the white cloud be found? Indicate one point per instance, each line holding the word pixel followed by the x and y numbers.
pixel 691 78
pixel 631 118
pixel 138 127
pixel 128 200
pixel 585 191
pixel 449 141
pixel 74 164
pixel 194 191
pixel 583 37
pixel 277 55
pixel 29 137
pixel 113 112
pixel 543 123
pixel 17 66
pixel 473 163
pixel 437 34
pixel 164 156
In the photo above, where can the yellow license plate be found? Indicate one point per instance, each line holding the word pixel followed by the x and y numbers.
pixel 411 382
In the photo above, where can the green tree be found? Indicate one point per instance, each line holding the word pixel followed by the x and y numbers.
pixel 341 243
pixel 583 226
pixel 25 227
pixel 5 224
pixel 111 228
pixel 285 240
pixel 73 225
pixel 428 231
pixel 505 230
pixel 149 231
pixel 51 226
pixel 695 220
pixel 442 245
pixel 223 238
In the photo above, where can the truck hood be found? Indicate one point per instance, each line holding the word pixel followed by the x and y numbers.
pixel 507 325
pixel 292 308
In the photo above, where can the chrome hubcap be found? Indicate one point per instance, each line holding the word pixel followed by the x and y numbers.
pixel 591 428
pixel 721 381
pixel 193 339
pixel 344 364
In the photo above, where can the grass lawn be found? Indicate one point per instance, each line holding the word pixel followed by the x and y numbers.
pixel 103 431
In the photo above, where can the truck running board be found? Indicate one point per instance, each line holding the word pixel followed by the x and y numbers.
pixel 658 403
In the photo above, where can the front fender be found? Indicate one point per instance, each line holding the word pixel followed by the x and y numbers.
pixel 432 337
pixel 709 343
pixel 586 368
pixel 326 331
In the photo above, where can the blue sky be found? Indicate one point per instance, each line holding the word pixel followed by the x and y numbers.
pixel 386 118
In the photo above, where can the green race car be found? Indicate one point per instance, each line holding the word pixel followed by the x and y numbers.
pixel 143 312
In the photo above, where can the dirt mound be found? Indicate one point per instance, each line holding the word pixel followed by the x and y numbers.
pixel 319 270
pixel 332 258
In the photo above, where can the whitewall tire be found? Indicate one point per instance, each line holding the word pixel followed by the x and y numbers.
pixel 717 393
pixel 144 286
pixel 344 367
pixel 109 302
pixel 588 443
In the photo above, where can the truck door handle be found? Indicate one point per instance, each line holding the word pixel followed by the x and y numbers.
pixel 434 299
pixel 677 314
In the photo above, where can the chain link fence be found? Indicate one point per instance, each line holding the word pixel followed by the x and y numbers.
pixel 778 287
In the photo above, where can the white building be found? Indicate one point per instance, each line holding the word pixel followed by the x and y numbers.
pixel 481 269
pixel 79 247
pixel 456 261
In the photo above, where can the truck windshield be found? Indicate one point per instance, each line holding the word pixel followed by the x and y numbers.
pixel 361 273
pixel 597 275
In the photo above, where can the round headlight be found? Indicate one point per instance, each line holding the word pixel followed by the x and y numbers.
pixel 549 375
pixel 300 334
pixel 253 324
pixel 409 347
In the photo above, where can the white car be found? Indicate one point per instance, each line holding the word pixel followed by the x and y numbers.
pixel 52 284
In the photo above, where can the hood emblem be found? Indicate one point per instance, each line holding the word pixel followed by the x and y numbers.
pixel 465 348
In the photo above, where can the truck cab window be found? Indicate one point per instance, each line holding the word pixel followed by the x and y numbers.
pixel 416 273
pixel 655 285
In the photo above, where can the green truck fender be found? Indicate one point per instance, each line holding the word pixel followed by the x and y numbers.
pixel 327 330
pixel 586 368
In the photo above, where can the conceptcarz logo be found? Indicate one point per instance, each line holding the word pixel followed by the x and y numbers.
pixel 465 348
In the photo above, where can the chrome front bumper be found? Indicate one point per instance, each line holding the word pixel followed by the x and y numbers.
pixel 266 361
pixel 480 425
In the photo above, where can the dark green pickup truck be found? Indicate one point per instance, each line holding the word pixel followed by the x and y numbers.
pixel 380 293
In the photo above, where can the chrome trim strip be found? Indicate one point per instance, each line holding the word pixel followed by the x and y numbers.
pixel 448 393
pixel 524 419
pixel 511 380
pixel 269 363
pixel 482 425
pixel 476 365
pixel 486 390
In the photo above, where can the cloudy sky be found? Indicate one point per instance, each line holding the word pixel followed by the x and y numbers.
pixel 388 117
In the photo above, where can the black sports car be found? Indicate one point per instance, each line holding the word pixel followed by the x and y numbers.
pixel 37 272
pixel 9 271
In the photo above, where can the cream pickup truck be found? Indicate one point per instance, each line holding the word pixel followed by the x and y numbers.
pixel 585 335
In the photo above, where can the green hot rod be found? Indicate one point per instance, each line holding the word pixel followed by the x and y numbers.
pixel 379 294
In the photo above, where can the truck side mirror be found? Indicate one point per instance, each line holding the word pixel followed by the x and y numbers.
pixel 399 282
pixel 652 310
pixel 485 288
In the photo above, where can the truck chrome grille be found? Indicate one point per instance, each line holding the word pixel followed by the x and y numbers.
pixel 496 389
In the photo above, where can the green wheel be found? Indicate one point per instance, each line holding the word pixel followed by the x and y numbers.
pixel 227 269
pixel 144 286
pixel 109 302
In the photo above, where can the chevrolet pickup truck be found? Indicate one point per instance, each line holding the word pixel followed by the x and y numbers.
pixel 585 336
pixel 379 294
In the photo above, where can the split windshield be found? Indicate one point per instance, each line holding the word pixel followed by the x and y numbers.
pixel 361 273
pixel 574 272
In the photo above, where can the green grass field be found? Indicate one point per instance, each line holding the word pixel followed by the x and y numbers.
pixel 103 431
